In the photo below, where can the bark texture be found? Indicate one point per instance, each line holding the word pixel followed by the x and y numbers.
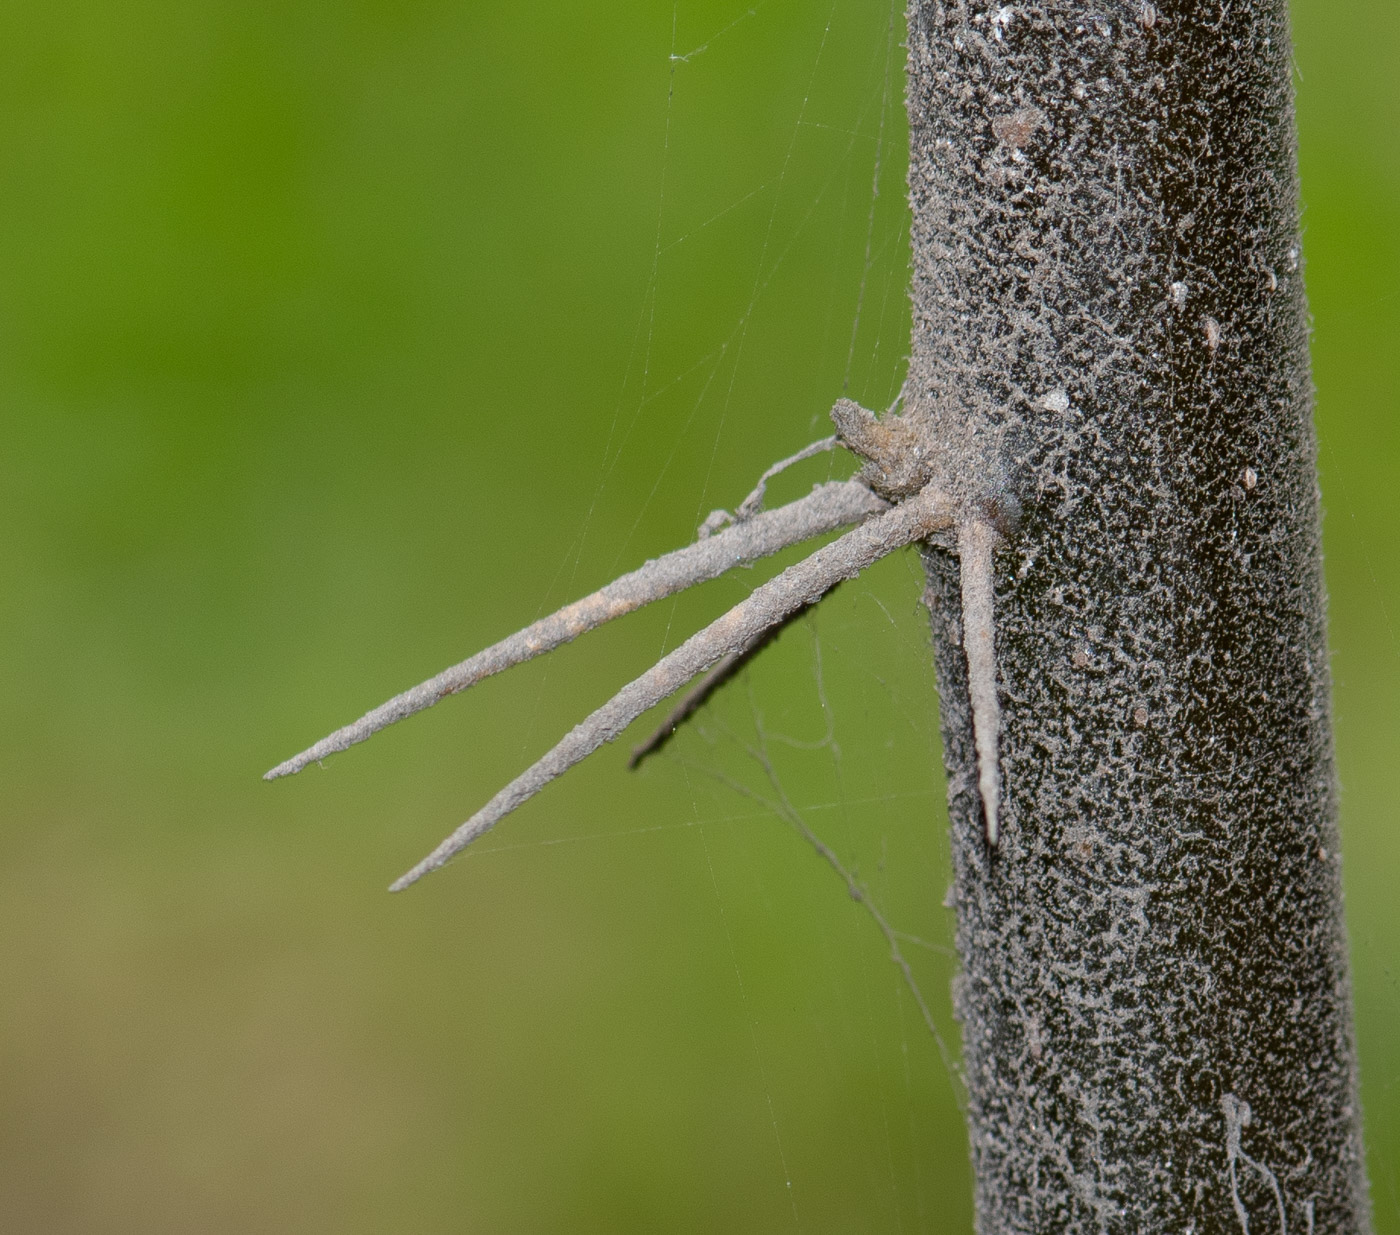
pixel 1110 333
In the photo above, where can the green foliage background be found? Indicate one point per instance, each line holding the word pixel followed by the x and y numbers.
pixel 335 342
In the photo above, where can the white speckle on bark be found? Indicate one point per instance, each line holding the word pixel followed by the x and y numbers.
pixel 1179 293
pixel 1056 401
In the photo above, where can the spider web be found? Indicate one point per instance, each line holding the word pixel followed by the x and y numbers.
pixel 808 794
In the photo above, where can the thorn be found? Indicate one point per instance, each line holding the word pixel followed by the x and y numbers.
pixel 976 540
pixel 768 605
pixel 828 507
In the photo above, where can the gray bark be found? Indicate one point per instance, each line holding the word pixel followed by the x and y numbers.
pixel 1110 332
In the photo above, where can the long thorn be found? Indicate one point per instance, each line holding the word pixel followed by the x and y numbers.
pixel 828 507
pixel 799 585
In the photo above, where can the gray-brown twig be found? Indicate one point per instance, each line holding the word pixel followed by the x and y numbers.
pixel 751 505
pixel 802 584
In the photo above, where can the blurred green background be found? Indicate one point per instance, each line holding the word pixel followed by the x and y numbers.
pixel 337 341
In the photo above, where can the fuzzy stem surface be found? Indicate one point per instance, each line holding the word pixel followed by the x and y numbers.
pixel 1110 329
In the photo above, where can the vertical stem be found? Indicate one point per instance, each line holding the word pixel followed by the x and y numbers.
pixel 1110 326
